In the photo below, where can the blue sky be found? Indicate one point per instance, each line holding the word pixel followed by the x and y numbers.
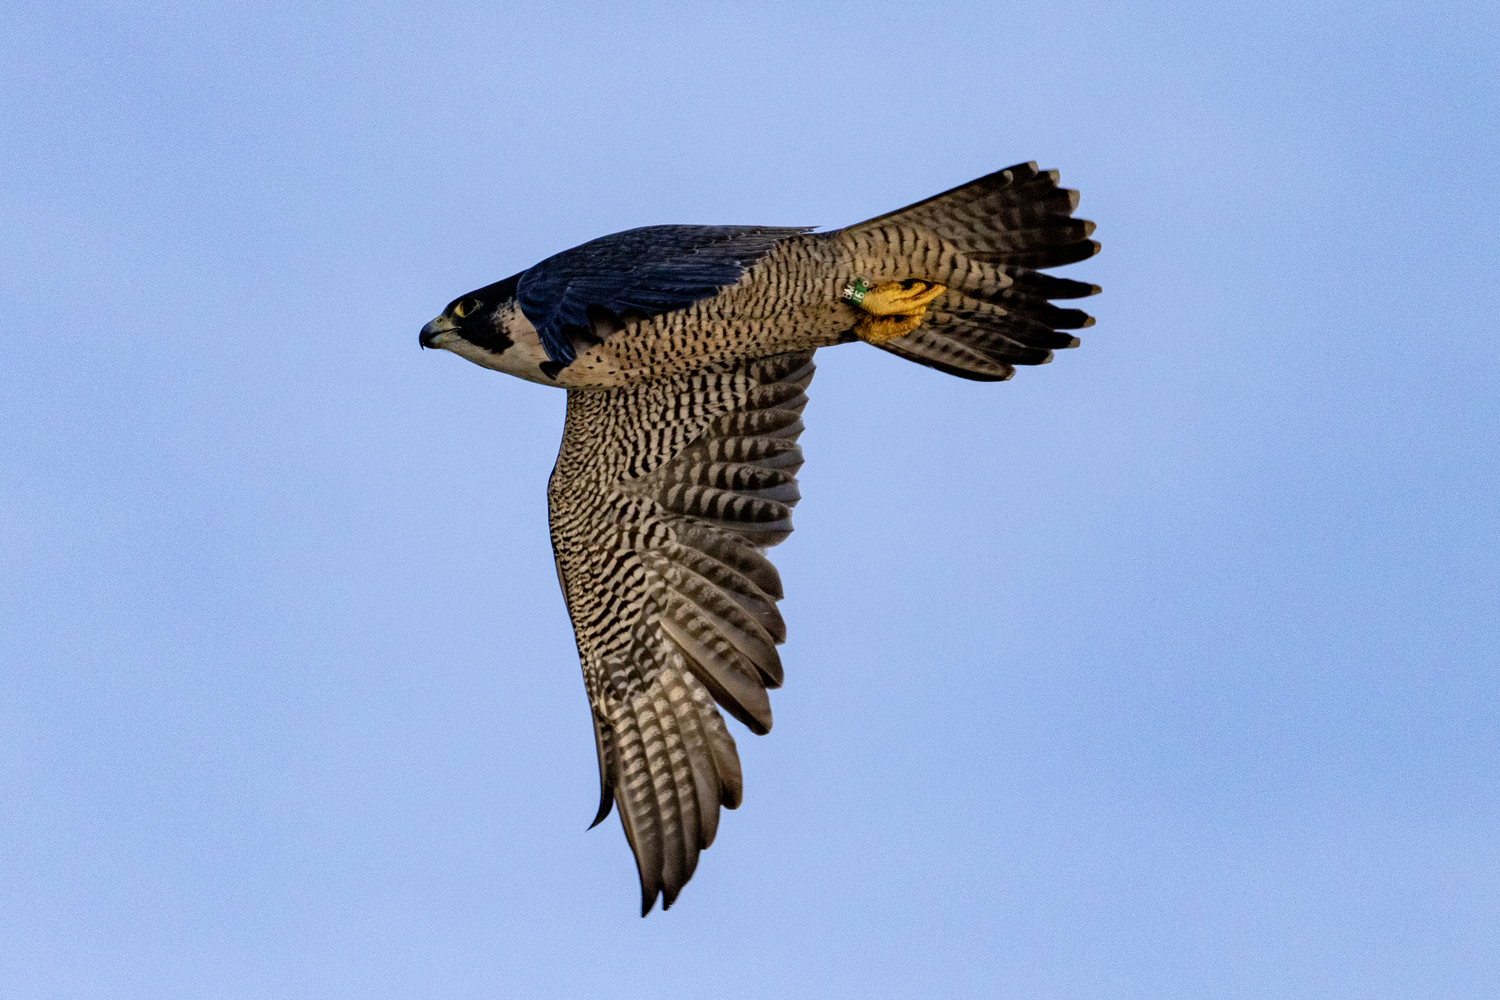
pixel 1167 670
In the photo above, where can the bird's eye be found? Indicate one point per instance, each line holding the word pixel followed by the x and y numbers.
pixel 464 308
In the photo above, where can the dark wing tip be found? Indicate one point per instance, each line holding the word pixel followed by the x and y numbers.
pixel 606 804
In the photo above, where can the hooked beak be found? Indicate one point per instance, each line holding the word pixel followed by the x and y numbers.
pixel 432 333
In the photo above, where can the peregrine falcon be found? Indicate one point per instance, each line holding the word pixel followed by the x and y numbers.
pixel 686 352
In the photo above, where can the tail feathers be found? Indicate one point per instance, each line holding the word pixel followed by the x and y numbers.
pixel 1042 311
pixel 959 313
pixel 1016 216
pixel 1047 286
pixel 935 349
pixel 1007 225
pixel 1054 234
pixel 1068 251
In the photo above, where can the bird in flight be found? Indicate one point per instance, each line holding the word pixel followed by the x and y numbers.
pixel 686 352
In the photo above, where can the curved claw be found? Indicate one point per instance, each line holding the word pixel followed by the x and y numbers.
pixel 891 309
pixel 893 298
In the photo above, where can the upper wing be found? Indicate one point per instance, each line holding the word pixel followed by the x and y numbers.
pixel 649 270
pixel 663 497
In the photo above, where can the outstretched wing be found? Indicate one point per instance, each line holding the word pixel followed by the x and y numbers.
pixel 663 498
pixel 648 271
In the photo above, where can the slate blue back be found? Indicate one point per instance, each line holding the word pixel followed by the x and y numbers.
pixel 650 270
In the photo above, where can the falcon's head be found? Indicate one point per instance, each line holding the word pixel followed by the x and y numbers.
pixel 487 327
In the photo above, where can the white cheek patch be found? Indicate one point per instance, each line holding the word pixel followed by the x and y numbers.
pixel 522 358
pixel 469 352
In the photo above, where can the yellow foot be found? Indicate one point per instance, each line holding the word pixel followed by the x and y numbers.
pixel 890 309
pixel 879 329
pixel 891 298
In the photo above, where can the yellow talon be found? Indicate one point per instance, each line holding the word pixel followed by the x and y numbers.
pixel 891 298
pixel 890 309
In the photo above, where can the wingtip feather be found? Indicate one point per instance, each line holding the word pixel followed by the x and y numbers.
pixel 604 810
